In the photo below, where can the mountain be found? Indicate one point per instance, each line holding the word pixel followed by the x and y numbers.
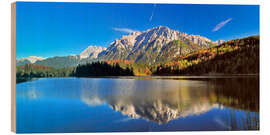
pixel 60 62
pixel 202 41
pixel 88 55
pixel 155 44
pixel 219 42
pixel 22 62
pixel 197 39
pixel 28 60
pixel 91 52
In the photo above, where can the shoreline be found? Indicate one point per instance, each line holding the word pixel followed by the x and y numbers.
pixel 150 77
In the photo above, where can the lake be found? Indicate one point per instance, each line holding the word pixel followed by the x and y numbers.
pixel 128 104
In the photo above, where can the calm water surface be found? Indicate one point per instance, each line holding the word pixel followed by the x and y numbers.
pixel 136 104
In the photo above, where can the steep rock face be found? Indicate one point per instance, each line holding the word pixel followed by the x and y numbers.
pixel 176 48
pixel 91 52
pixel 141 46
pixel 150 43
pixel 120 49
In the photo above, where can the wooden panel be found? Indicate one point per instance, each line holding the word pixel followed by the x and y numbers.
pixel 13 67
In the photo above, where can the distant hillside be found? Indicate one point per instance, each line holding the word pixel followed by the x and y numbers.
pixel 239 56
pixel 22 62
pixel 28 72
pixel 60 62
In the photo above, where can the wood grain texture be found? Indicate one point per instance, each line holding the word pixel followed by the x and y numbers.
pixel 13 67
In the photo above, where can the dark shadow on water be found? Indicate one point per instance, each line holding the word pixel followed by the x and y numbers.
pixel 25 79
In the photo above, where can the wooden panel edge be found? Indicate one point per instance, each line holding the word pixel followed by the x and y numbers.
pixel 13 67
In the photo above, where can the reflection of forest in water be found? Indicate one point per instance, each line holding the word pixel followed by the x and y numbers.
pixel 239 93
pixel 163 100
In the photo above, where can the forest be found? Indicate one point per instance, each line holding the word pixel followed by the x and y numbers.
pixel 28 71
pixel 101 69
pixel 239 56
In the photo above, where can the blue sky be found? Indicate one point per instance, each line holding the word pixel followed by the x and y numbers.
pixel 61 29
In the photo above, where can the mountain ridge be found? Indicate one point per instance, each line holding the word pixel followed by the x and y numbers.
pixel 149 46
pixel 29 60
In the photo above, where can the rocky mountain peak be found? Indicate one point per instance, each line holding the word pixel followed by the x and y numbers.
pixel 120 47
pixel 161 34
pixel 160 30
pixel 91 52
pixel 31 59
pixel 147 46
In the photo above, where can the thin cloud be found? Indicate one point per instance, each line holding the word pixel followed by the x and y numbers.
pixel 153 12
pixel 221 24
pixel 126 30
pixel 124 120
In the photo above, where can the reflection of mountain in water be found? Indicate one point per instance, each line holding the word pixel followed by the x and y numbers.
pixel 159 112
pixel 152 101
pixel 165 100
